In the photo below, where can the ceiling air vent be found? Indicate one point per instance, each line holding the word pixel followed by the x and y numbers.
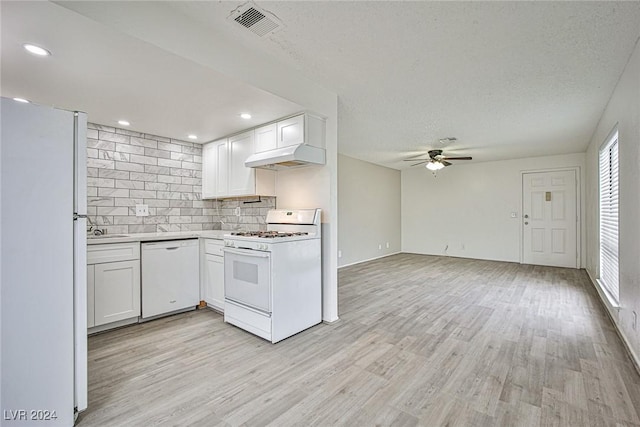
pixel 258 20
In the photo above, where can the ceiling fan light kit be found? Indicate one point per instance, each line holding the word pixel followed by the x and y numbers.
pixel 434 166
pixel 436 160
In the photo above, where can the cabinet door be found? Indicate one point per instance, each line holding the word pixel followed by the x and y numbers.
pixel 208 171
pixel 214 285
pixel 117 291
pixel 215 169
pixel 242 181
pixel 266 138
pixel 291 131
pixel 90 296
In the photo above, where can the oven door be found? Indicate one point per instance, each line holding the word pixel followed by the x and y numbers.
pixel 247 278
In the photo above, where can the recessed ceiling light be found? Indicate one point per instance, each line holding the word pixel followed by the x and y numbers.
pixel 36 50
pixel 192 137
pixel 245 116
pixel 123 122
pixel 21 100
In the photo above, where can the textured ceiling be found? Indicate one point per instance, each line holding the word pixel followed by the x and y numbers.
pixel 508 79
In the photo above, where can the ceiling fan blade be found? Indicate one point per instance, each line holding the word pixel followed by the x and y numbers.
pixel 413 160
pixel 457 158
pixel 419 163
pixel 444 162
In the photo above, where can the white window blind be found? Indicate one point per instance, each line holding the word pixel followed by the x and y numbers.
pixel 609 273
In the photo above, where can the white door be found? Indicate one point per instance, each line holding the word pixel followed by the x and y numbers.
pixel 91 286
pixel 291 131
pixel 242 181
pixel 214 284
pixel 550 218
pixel 117 291
pixel 208 171
pixel 266 138
pixel 215 169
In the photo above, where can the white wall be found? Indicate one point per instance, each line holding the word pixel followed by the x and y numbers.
pixel 624 110
pixel 467 207
pixel 368 210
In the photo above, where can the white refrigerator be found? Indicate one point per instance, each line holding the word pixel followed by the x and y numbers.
pixel 43 206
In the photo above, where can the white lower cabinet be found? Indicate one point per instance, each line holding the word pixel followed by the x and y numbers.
pixel 213 274
pixel 91 285
pixel 117 291
pixel 113 284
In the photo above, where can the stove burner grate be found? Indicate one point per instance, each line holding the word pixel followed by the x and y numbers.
pixel 267 234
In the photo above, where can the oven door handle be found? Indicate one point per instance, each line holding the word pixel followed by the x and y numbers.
pixel 248 252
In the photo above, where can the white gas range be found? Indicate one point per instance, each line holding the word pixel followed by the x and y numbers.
pixel 273 279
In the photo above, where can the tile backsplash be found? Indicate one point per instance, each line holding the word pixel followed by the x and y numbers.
pixel 246 213
pixel 127 168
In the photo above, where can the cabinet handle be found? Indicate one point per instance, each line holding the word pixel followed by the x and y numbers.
pixel 172 301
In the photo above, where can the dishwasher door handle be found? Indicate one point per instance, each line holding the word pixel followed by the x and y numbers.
pixel 173 248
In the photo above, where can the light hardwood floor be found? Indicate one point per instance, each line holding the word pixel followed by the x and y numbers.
pixel 422 340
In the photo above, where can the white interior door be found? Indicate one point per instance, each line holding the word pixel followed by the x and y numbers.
pixel 550 218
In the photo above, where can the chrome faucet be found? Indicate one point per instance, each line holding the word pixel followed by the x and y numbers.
pixel 93 229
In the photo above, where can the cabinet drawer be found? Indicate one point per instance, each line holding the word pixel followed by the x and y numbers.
pixel 214 247
pixel 110 252
pixel 248 319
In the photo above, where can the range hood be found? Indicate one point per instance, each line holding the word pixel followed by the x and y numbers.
pixel 287 157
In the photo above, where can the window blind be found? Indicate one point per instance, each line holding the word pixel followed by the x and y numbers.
pixel 609 272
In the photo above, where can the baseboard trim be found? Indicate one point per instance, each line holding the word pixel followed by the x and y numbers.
pixel 608 309
pixel 370 259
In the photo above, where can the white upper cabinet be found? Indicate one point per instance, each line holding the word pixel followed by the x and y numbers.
pixel 215 169
pixel 290 131
pixel 241 179
pixel 224 173
pixel 265 138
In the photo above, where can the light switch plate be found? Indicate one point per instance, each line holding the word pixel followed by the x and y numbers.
pixel 142 210
pixel 514 214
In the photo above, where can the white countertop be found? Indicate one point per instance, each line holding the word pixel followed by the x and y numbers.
pixel 150 237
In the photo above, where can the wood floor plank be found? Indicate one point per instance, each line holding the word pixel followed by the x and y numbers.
pixel 422 341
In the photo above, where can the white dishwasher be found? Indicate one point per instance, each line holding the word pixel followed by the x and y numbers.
pixel 170 277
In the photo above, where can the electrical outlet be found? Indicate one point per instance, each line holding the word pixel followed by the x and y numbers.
pixel 237 210
pixel 339 254
pixel 379 247
pixel 514 214
pixel 142 210
pixel 387 245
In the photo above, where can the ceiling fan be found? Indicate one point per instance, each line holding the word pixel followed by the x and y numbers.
pixel 436 160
